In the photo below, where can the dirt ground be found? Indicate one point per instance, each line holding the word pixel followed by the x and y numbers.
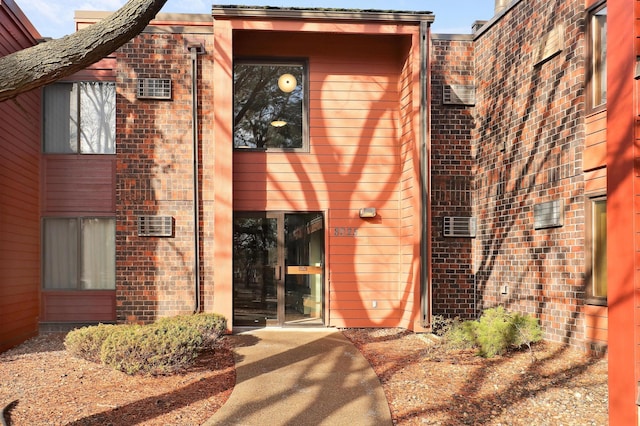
pixel 424 384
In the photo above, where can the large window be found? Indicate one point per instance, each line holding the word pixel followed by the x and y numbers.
pixel 597 85
pixel 79 253
pixel 597 249
pixel 269 105
pixel 80 118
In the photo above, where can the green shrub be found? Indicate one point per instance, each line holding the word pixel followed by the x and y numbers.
pixel 152 349
pixel 86 342
pixel 164 347
pixel 461 335
pixel 527 330
pixel 210 326
pixel 495 332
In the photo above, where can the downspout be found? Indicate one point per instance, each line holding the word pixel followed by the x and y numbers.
pixel 195 49
pixel 425 174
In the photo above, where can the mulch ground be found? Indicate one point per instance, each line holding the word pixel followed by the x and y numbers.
pixel 424 384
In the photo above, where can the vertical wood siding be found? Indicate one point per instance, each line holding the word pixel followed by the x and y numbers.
pixel 356 160
pixel 19 194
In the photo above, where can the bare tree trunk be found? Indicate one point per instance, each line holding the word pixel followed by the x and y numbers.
pixel 47 62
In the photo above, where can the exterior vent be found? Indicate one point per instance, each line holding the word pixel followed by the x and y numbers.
pixel 456 226
pixel 548 215
pixel 459 94
pixel 155 226
pixel 551 44
pixel 154 88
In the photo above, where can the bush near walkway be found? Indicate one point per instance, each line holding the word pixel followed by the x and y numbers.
pixel 494 333
pixel 164 347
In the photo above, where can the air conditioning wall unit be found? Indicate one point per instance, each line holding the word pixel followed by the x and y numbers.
pixel 459 226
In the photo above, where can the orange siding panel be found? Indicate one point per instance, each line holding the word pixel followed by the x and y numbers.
pixel 595 180
pixel 595 154
pixel 355 160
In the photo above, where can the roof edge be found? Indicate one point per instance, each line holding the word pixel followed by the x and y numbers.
pixel 96 15
pixel 22 19
pixel 232 11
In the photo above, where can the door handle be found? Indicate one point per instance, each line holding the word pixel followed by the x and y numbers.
pixel 278 272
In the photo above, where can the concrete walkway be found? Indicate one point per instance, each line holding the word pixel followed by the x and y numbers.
pixel 302 377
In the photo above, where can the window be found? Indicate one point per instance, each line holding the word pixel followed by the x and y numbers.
pixel 597 85
pixel 80 118
pixel 268 106
pixel 79 253
pixel 597 250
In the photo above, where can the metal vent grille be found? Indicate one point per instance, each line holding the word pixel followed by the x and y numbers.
pixel 459 94
pixel 457 226
pixel 548 215
pixel 155 226
pixel 154 88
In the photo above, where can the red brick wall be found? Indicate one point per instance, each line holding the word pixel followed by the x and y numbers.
pixel 452 177
pixel 520 145
pixel 155 275
pixel 529 141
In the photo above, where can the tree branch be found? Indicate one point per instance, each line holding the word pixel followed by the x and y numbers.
pixel 47 62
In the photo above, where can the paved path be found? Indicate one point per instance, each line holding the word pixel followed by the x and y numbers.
pixel 302 377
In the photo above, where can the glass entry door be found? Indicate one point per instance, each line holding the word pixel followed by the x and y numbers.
pixel 278 268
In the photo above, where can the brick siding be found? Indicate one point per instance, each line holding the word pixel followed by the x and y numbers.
pixel 154 275
pixel 452 178
pixel 525 139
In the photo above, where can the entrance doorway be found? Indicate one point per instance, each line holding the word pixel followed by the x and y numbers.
pixel 278 261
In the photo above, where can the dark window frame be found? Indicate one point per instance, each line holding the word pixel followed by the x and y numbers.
pixel 46 150
pixel 590 201
pixel 304 62
pixel 79 220
pixel 591 72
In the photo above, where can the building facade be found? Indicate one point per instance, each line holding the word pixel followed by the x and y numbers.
pixel 19 194
pixel 349 169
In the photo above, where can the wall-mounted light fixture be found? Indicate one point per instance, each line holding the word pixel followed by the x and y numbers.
pixel 367 212
pixel 287 83
pixel 278 123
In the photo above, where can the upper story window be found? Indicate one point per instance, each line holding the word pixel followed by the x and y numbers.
pixel 269 111
pixel 80 118
pixel 597 84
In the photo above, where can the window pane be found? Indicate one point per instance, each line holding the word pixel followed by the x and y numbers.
pixel 599 248
pixel 60 253
pixel 97 118
pixel 599 58
pixel 60 118
pixel 268 106
pixel 98 254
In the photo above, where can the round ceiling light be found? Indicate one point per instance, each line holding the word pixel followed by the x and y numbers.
pixel 287 83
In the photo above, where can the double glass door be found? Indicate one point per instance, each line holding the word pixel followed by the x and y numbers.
pixel 278 268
